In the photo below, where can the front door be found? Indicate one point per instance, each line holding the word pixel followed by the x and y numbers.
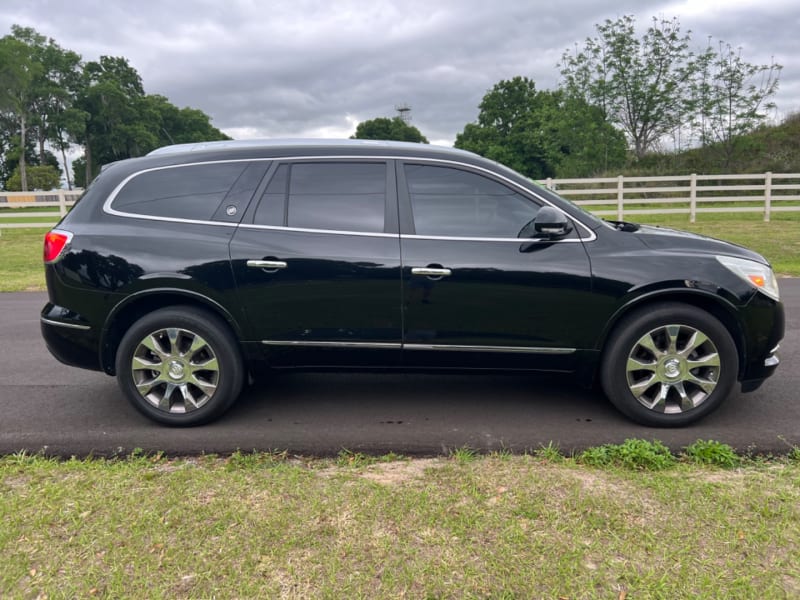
pixel 475 293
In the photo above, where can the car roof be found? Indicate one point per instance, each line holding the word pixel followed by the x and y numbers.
pixel 306 144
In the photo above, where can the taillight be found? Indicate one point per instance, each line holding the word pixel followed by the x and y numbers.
pixel 54 243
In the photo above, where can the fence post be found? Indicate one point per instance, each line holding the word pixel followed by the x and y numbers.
pixel 62 203
pixel 620 201
pixel 767 195
pixel 693 198
pixel 549 183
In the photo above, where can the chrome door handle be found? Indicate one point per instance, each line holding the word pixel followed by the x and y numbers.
pixel 431 272
pixel 266 264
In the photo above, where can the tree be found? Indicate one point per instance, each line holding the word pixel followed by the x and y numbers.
pixel 542 133
pixel 10 147
pixel 181 125
pixel 39 177
pixel 18 71
pixel 54 89
pixel 730 97
pixel 118 123
pixel 639 84
pixel 384 128
pixel 588 143
pixel 117 120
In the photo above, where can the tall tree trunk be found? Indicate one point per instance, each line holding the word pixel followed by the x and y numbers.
pixel 23 175
pixel 41 150
pixel 66 167
pixel 88 156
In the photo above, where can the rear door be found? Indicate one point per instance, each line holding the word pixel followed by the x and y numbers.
pixel 317 264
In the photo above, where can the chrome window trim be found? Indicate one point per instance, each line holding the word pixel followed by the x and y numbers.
pixel 406 236
pixel 306 230
pixel 403 346
pixel 341 157
pixel 67 325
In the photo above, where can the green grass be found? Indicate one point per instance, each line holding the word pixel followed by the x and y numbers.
pixel 21 260
pixel 632 454
pixel 502 526
pixel 5 213
pixel 778 240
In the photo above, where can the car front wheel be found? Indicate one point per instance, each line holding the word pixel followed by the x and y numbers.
pixel 180 366
pixel 669 365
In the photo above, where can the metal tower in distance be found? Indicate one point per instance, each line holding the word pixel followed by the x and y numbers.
pixel 404 112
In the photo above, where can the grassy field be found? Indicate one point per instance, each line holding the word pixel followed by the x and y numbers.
pixel 21 260
pixel 778 240
pixel 537 526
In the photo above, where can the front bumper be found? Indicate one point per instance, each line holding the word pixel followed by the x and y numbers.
pixel 770 364
pixel 765 325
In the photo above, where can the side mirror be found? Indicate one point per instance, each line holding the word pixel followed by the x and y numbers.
pixel 551 223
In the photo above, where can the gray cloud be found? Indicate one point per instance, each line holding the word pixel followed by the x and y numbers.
pixel 310 68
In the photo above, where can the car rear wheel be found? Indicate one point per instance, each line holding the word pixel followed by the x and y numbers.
pixel 669 365
pixel 180 366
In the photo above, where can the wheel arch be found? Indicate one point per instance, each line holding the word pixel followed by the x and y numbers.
pixel 132 308
pixel 716 306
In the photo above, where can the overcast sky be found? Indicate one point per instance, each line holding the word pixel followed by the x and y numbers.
pixel 315 68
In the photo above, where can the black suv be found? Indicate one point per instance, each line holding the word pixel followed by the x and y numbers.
pixel 187 271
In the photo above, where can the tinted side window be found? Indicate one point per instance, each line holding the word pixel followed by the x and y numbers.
pixel 191 192
pixel 451 202
pixel 335 196
pixel 242 191
pixel 272 207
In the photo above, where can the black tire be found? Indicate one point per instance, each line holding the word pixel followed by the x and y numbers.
pixel 197 370
pixel 677 384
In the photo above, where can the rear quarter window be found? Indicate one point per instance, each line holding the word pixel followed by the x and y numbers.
pixel 180 192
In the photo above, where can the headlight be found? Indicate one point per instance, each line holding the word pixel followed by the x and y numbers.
pixel 756 274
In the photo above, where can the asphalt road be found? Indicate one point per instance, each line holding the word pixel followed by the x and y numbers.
pixel 46 406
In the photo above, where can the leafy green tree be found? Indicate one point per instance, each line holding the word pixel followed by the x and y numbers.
pixel 638 83
pixel 384 128
pixel 730 97
pixel 119 118
pixel 10 148
pixel 39 177
pixel 512 129
pixel 588 143
pixel 542 133
pixel 18 71
pixel 53 90
pixel 48 98
pixel 181 125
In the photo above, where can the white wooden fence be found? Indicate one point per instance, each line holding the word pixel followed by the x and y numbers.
pixel 22 202
pixel 765 193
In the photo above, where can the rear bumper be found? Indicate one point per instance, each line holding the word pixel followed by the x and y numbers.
pixel 70 338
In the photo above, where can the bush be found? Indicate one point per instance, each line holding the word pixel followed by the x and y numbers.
pixel 712 453
pixel 40 177
pixel 631 454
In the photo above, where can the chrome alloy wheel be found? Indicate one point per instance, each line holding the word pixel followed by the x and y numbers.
pixel 175 370
pixel 673 368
